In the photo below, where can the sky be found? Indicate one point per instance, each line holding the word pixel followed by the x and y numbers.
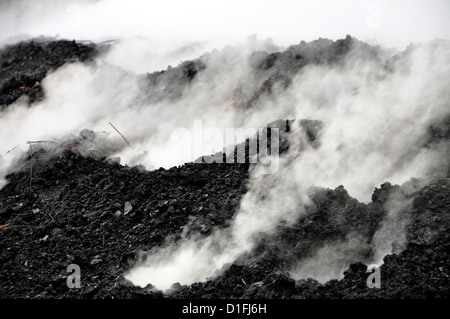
pixel 392 23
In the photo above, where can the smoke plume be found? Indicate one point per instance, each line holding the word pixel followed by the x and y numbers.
pixel 376 111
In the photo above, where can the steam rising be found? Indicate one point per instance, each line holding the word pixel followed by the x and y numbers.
pixel 375 121
pixel 376 112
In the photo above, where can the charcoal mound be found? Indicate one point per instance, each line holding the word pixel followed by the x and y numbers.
pixel 24 65
pixel 73 203
pixel 99 215
pixel 86 210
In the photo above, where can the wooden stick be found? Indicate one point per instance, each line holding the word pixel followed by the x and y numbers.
pixel 4 225
pixel 31 165
pixel 12 149
pixel 39 142
pixel 119 133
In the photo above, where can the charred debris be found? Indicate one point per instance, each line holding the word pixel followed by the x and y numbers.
pixel 83 207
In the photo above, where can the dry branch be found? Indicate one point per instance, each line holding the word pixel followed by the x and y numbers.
pixel 40 142
pixel 120 133
pixel 31 164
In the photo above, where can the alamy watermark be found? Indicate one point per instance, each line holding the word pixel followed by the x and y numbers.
pixel 76 16
pixel 374 279
pixel 374 19
pixel 74 280
pixel 255 145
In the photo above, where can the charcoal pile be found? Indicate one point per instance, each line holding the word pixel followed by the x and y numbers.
pixel 102 230
pixel 99 215
pixel 74 203
pixel 24 65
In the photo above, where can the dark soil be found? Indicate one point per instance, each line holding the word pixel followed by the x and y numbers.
pixel 76 211
pixel 24 65
pixel 81 208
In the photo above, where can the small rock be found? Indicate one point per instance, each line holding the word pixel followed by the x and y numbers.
pixel 128 208
pixel 88 135
pixel 96 260
pixel 93 214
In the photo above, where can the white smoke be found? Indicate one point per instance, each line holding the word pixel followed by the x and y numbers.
pixel 393 23
pixel 375 120
pixel 331 260
pixel 79 96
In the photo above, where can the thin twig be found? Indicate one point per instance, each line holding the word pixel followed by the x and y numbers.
pixel 12 149
pixel 120 133
pixel 4 225
pixel 31 164
pixel 39 142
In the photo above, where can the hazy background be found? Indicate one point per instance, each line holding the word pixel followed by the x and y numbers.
pixel 200 25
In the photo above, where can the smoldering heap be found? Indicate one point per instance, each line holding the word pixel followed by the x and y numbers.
pixel 71 202
pixel 24 66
